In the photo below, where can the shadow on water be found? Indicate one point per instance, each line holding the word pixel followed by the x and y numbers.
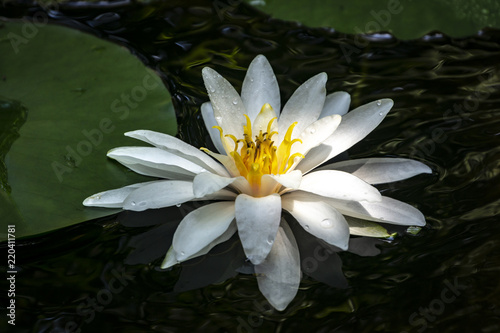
pixel 104 276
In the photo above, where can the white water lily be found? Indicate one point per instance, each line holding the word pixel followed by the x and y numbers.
pixel 265 164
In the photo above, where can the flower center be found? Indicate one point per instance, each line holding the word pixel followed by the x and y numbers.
pixel 255 156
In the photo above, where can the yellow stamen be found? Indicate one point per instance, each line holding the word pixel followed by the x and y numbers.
pixel 258 155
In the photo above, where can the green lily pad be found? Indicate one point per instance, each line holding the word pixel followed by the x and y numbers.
pixel 404 18
pixel 66 98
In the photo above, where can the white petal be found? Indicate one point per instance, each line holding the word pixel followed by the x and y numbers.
pixel 279 275
pixel 318 218
pixel 260 123
pixel 379 170
pixel 388 210
pixel 218 195
pixel 257 220
pixel 290 180
pixel 179 148
pixel 336 103
pixel 159 194
pixel 366 228
pixel 226 161
pixel 272 183
pixel 339 185
pixel 207 112
pixel 228 108
pixel 238 182
pixel 207 183
pixel 304 107
pixel 354 126
pixel 316 133
pixel 170 259
pixel 155 162
pixel 260 87
pixel 112 198
pixel 201 227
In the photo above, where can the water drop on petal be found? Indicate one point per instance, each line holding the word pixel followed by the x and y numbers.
pixel 178 205
pixel 183 253
pixel 326 223
pixel 379 102
pixel 312 130
pixel 235 102
pixel 270 240
pixel 133 203
pixel 306 227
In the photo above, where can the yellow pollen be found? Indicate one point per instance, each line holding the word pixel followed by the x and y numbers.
pixel 257 155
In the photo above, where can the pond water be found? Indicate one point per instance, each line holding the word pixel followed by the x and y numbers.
pixel 103 276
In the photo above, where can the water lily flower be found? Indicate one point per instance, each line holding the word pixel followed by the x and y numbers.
pixel 266 162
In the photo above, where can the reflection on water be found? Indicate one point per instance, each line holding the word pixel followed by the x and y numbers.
pixel 102 276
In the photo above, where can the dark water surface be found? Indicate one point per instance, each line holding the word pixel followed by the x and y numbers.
pixel 103 276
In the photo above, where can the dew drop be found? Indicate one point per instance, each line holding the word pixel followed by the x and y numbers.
pixel 306 227
pixel 235 102
pixel 183 253
pixel 380 114
pixel 270 240
pixel 133 203
pixel 143 203
pixel 312 130
pixel 379 102
pixel 178 205
pixel 218 118
pixel 327 223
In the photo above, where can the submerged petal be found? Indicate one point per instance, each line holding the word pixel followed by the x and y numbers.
pixel 355 125
pixel 257 220
pixel 339 185
pixel 159 194
pixel 366 228
pixel 201 227
pixel 336 103
pixel 279 275
pixel 318 218
pixel 309 96
pixel 379 170
pixel 260 87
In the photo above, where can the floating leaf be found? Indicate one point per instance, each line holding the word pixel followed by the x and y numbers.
pixel 405 19
pixel 66 98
